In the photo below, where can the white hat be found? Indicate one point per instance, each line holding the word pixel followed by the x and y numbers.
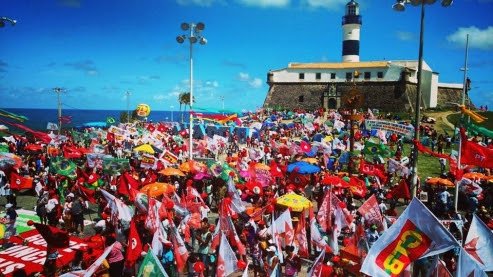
pixel 8 205
pixel 70 195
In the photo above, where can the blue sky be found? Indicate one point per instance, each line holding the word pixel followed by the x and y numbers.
pixel 98 50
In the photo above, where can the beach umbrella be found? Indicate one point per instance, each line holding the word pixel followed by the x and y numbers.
pixel 335 181
pixel 33 147
pixel 170 171
pixel 193 166
pixel 474 175
pixel 435 181
pixel 147 148
pixel 310 160
pixel 157 189
pixel 262 166
pixel 296 202
pixel 303 167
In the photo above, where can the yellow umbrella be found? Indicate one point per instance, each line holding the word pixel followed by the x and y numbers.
pixel 310 160
pixel 170 171
pixel 144 148
pixel 157 189
pixel 294 201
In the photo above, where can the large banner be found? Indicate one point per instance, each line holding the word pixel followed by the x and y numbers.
pixel 29 253
pixel 401 129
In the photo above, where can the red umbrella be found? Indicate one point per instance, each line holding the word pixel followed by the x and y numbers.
pixel 335 181
pixel 33 147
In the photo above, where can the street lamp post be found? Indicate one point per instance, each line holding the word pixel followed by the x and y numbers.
pixel 171 107
pixel 193 36
pixel 400 6
pixel 128 106
pixel 58 91
pixel 4 20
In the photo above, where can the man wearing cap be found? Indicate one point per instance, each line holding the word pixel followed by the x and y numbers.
pixel 10 219
pixel 372 235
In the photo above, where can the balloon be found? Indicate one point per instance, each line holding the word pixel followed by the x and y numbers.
pixel 199 266
pixel 241 264
pixel 143 110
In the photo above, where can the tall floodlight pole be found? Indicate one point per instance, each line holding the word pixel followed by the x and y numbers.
pixel 400 6
pixel 128 106
pixel 171 108
pixel 464 91
pixel 4 20
pixel 193 36
pixel 58 91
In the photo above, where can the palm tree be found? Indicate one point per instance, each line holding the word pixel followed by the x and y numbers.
pixel 184 99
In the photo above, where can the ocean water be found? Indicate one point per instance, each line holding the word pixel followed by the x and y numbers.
pixel 39 118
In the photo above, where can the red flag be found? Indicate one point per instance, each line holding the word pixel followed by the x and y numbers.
pixel 300 180
pixel 357 187
pixel 371 212
pixel 377 170
pixel 122 187
pixel 18 182
pixel 151 128
pixel 86 193
pixel 134 247
pixel 475 154
pixel 92 178
pixel 323 214
pixel 300 235
pixel 305 146
pixel 152 220
pixel 401 191
pixel 71 152
pixel 179 249
pixel 275 170
pixel 53 236
pixel 135 184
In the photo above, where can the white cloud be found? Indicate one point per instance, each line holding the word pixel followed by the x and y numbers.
pixel 243 76
pixel 326 4
pixel 265 3
pixel 251 81
pixel 160 97
pixel 478 38
pixel 255 83
pixel 404 36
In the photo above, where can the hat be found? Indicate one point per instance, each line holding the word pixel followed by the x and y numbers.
pixel 8 205
pixel 70 195
pixel 271 249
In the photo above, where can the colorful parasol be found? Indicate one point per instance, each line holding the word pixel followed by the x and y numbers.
pixel 294 201
pixel 303 168
pixel 440 182
pixel 157 189
pixel 335 181
pixel 147 148
pixel 170 171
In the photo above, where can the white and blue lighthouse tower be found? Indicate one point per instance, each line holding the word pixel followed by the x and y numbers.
pixel 351 26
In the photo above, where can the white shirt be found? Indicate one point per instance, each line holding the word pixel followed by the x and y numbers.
pixel 52 202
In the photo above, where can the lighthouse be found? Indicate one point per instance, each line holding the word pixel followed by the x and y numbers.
pixel 351 26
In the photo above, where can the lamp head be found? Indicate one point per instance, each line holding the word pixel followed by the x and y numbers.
pixel 429 2
pixel 203 41
pixel 200 26
pixel 399 6
pixel 193 39
pixel 180 39
pixel 415 2
pixel 185 26
pixel 446 3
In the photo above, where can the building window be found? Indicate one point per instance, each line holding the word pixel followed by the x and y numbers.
pixel 349 76
pixel 332 76
pixel 318 75
pixel 302 76
pixel 380 74
pixel 301 98
pixel 367 75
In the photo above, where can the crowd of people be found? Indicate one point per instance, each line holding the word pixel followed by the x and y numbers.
pixel 229 191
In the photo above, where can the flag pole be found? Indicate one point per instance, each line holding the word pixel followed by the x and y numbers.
pixel 464 90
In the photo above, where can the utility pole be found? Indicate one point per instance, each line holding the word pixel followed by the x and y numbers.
pixel 58 91
pixel 128 105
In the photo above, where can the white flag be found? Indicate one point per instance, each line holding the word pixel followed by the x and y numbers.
pixel 227 262
pixel 51 126
pixel 479 244
pixel 416 234
pixel 316 269
pixel 119 210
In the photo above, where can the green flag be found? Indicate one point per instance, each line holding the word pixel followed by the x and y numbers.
pixel 477 130
pixel 373 149
pixel 4 148
pixel 151 266
pixel 114 165
pixel 62 166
